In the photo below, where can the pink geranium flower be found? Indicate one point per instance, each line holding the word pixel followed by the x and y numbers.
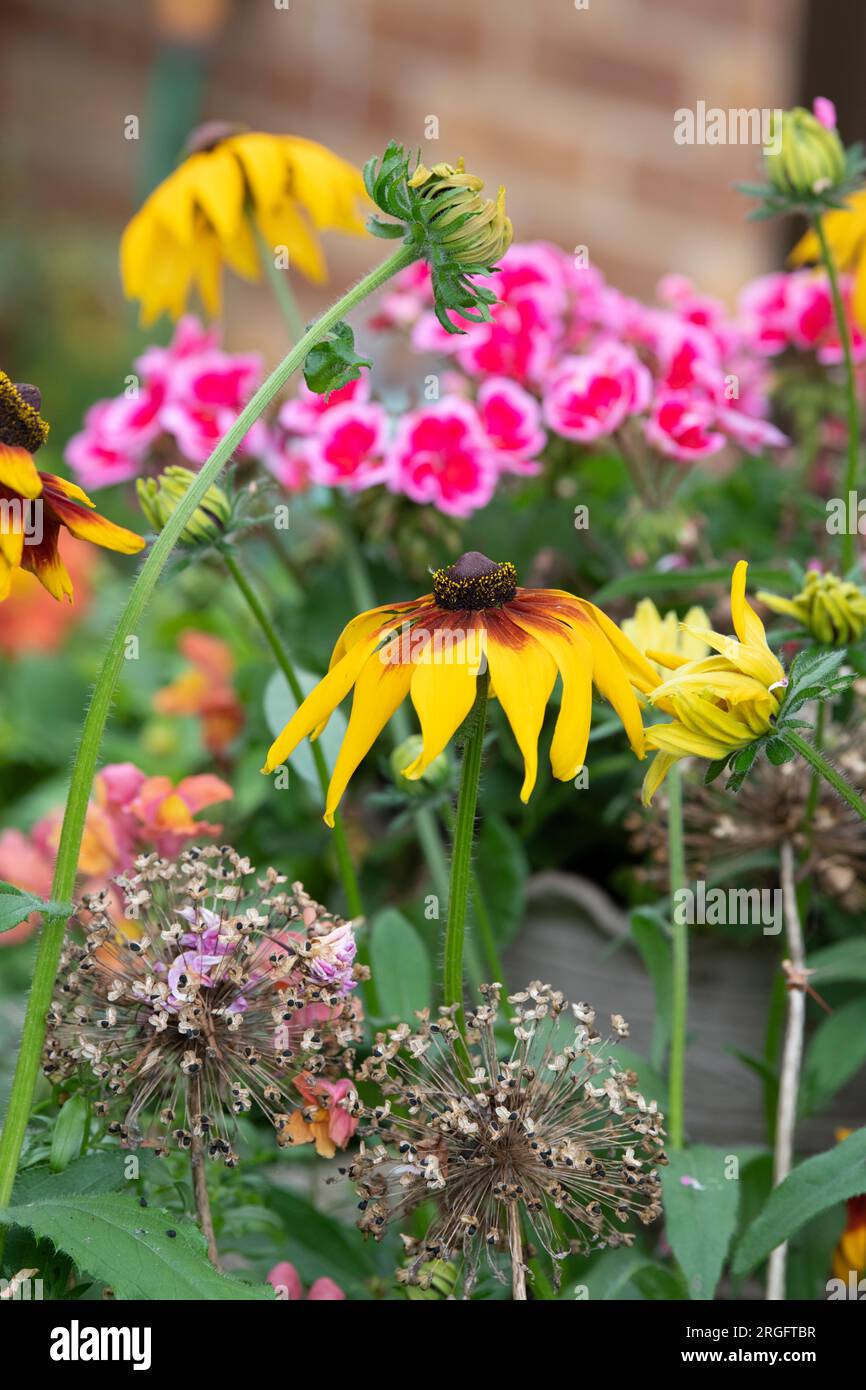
pixel 303 413
pixel 511 418
pixel 441 454
pixel 681 426
pixel 589 397
pixel 348 449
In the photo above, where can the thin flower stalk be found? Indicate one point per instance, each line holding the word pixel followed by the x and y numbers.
pixel 853 452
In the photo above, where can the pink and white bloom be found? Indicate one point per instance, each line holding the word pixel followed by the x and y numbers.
pixel 441 454
pixel 285 1279
pixel 512 422
pixel 587 398
pixel 348 449
pixel 303 412
pixel 681 426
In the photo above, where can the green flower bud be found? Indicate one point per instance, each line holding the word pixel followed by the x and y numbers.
pixel 434 778
pixel 159 497
pixel 833 610
pixel 809 159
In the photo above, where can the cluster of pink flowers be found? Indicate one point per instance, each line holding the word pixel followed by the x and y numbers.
pixel 595 358
pixel 129 814
pixel 565 355
pixel 189 392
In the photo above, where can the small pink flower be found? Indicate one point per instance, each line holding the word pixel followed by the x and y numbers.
pixel 441 455
pixel 824 110
pixel 512 421
pixel 287 1282
pixel 589 397
pixel 28 864
pixel 164 813
pixel 287 458
pixel 681 426
pixel 349 447
pixel 302 414
pixel 329 1097
pixel 110 448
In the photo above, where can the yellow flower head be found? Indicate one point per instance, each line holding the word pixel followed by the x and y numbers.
pixel 719 703
pixel 845 230
pixel 34 505
pixel 475 230
pixel 832 609
pixel 202 216
pixel 433 649
pixel 660 638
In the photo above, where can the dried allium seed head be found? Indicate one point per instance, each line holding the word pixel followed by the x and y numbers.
pixel 235 995
pixel 554 1125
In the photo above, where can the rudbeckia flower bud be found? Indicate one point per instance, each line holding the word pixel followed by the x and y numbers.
pixel 158 498
pixel 808 157
pixel 833 610
pixel 432 778
pixel 442 214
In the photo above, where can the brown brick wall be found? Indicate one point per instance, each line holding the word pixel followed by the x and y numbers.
pixel 572 109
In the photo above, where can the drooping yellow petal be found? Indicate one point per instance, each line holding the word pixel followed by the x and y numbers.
pixel 443 691
pixel 218 181
pixel 11 536
pixel 676 738
pixel 44 561
pixel 522 676
pixel 610 677
pixel 637 667
pixel 314 712
pixel 265 164
pixel 286 226
pixel 381 686
pixel 573 657
pixel 18 472
pixel 656 774
pixel 747 624
pixel 91 526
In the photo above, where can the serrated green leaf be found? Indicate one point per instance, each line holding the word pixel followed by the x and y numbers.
pixel 127 1247
pixel 700 1205
pixel 400 965
pixel 334 362
pixel 104 1171
pixel 16 905
pixel 813 1186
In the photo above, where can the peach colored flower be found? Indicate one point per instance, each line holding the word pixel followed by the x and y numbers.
pixel 205 689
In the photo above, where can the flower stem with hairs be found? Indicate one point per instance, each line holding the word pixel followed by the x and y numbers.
pixel 461 854
pixel 680 940
pixel 850 484
pixel 51 939
pixel 820 764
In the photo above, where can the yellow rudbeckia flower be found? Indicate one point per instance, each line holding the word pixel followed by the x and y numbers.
pixel 433 649
pixel 658 637
pixel 202 216
pixel 719 703
pixel 35 505
pixel 845 230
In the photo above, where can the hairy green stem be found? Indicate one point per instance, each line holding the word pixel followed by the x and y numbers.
pixel 680 940
pixel 461 852
pixel 51 938
pixel 849 551
pixel 283 660
pixel 817 761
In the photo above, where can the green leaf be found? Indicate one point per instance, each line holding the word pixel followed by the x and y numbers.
pixel 400 965
pixel 280 704
pixel 502 869
pixel 126 1246
pixel 844 960
pixel 813 1186
pixel 779 752
pixel 103 1171
pixel 316 1244
pixel 836 1052
pixel 651 582
pixel 334 362
pixel 68 1134
pixel 655 949
pixel 700 1214
pixel 16 906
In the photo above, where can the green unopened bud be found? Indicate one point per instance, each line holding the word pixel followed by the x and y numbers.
pixel 433 778
pixel 159 498
pixel 804 157
pixel 833 610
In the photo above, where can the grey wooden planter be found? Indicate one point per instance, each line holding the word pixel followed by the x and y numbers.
pixel 570 929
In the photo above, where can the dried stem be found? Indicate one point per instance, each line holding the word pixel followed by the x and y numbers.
pixel 199 1181
pixel 786 1113
pixel 515 1250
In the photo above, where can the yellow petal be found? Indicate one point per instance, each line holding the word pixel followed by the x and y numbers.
pixel 91 526
pixel 747 624
pixel 443 691
pixel 265 165
pixel 219 190
pixel 286 226
pixel 655 775
pixel 573 657
pixel 381 686
pixel 638 669
pixel 320 703
pixel 522 675
pixel 18 472
pixel 611 680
